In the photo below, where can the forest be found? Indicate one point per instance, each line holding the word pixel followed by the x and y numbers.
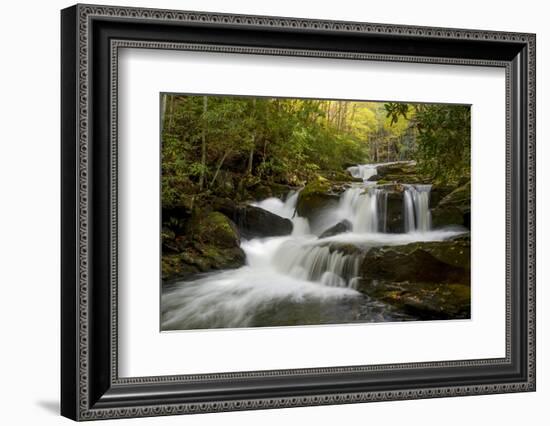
pixel 237 169
pixel 291 141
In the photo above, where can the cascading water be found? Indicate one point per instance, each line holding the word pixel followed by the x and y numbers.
pixel 286 209
pixel 416 207
pixel 312 262
pixel 362 171
pixel 301 275
pixel 365 207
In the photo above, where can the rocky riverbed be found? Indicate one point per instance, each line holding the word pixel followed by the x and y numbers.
pixel 374 243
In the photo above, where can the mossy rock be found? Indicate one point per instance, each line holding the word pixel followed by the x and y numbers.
pixel 315 197
pixel 421 300
pixel 438 192
pixel 211 242
pixel 436 261
pixel 214 228
pixel 401 172
pixel 339 176
pixel 175 266
pixel 454 208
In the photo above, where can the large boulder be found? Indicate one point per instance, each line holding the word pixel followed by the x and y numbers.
pixel 394 212
pixel 213 228
pixel 436 262
pixel 438 192
pixel 402 171
pixel 339 228
pixel 339 176
pixel 315 198
pixel 211 242
pixel 257 222
pixel 427 280
pixel 454 208
pixel 254 221
pixel 423 301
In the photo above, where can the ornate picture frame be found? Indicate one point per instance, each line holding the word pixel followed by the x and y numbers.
pixel 91 37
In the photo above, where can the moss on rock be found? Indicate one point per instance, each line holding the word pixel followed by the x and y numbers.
pixel 425 301
pixel 315 197
pixel 438 262
pixel 454 208
pixel 211 242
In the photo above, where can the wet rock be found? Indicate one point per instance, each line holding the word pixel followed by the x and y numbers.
pixel 339 228
pixel 402 171
pixel 254 222
pixel 394 212
pixel 348 249
pixel 436 262
pixel 438 192
pixel 315 198
pixel 211 242
pixel 453 209
pixel 424 301
pixel 340 176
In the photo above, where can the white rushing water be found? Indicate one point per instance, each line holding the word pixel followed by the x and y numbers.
pixel 300 274
pixel 417 208
pixel 363 171
pixel 286 209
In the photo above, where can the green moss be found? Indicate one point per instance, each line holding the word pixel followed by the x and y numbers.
pixel 315 186
pixel 214 228
pixel 459 198
pixel 212 242
pixel 315 197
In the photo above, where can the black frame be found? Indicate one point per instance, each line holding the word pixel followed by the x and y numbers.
pixel 90 386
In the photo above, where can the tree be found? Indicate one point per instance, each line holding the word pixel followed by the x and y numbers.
pixel 443 137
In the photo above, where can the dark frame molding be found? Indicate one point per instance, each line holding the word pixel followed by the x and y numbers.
pixel 91 37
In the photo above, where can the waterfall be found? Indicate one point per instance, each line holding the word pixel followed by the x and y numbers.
pixel 286 209
pixel 301 277
pixel 322 264
pixel 363 171
pixel 365 207
pixel 416 208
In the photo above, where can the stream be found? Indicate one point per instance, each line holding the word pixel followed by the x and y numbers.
pixel 300 279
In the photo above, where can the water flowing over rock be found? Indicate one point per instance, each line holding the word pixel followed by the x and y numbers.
pixel 319 263
pixel 286 209
pixel 357 250
pixel 254 221
pixel 341 227
pixel 417 208
pixel 363 171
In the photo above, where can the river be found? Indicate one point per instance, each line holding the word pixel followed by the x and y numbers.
pixel 300 279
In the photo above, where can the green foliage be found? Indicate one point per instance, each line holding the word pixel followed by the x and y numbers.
pixel 442 138
pixel 207 140
pixel 278 140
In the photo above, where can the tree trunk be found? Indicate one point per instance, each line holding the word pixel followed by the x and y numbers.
pixel 251 154
pixel 220 164
pixel 203 145
pixel 163 110
pixel 171 113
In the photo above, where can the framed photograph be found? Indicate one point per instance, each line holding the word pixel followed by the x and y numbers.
pixel 263 212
